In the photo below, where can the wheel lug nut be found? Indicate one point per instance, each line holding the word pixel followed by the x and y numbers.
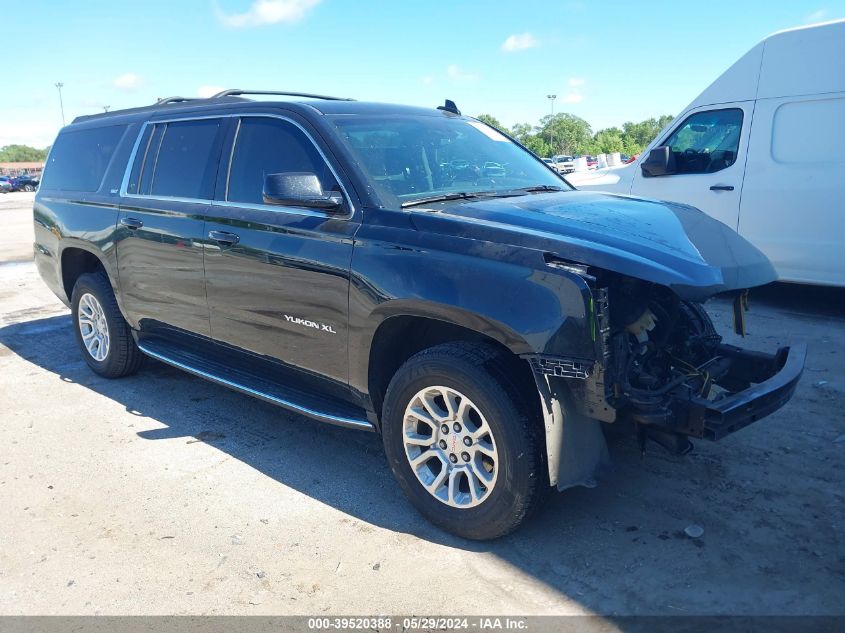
pixel 465 456
pixel 467 441
pixel 442 443
pixel 445 428
pixel 453 458
pixel 457 427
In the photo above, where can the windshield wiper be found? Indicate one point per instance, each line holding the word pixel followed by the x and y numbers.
pixel 540 188
pixel 467 195
pixel 445 197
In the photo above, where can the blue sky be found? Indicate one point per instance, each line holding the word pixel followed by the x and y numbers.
pixel 608 62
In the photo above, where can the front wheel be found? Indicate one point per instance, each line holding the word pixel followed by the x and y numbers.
pixel 462 441
pixel 102 333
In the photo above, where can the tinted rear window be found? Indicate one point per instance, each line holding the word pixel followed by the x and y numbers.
pixel 184 165
pixel 79 159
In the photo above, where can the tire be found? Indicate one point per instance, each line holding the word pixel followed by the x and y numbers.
pixel 515 479
pixel 28 188
pixel 94 309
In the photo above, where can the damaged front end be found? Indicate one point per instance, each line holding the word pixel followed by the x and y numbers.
pixel 661 368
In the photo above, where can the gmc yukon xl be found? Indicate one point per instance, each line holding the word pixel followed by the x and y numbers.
pixel 327 256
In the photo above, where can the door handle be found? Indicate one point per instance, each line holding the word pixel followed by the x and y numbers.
pixel 722 188
pixel 132 224
pixel 223 238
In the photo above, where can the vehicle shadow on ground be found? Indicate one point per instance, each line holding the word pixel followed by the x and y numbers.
pixel 586 544
pixel 801 300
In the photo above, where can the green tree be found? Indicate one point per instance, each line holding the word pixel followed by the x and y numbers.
pixel 537 144
pixel 636 136
pixel 492 121
pixel 521 131
pixel 608 141
pixel 22 154
pixel 566 133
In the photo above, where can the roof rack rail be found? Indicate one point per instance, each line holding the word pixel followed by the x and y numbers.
pixel 174 100
pixel 235 92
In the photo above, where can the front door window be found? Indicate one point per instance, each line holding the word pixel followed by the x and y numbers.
pixel 706 142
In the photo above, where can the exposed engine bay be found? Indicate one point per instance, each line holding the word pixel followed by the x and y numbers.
pixel 668 372
pixel 661 367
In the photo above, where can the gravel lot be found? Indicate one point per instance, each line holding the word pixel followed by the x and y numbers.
pixel 162 493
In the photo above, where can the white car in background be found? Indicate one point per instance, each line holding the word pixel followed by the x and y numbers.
pixel 760 150
pixel 564 164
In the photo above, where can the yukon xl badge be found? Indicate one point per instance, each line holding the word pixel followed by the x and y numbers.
pixel 306 323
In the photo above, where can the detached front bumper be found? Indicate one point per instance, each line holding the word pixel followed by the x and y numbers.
pixel 752 386
pixel 771 380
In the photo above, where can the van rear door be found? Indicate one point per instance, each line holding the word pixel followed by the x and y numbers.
pixel 707 155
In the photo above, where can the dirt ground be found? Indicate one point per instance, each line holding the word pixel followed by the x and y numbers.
pixel 164 494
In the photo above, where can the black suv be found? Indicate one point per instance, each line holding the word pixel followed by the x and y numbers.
pixel 363 265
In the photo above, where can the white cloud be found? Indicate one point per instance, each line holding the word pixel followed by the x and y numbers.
pixel 458 74
pixel 427 80
pixel 574 95
pixel 263 12
pixel 36 133
pixel 204 92
pixel 816 16
pixel 519 42
pixel 130 82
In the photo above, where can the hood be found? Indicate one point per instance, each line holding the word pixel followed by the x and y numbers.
pixel 666 243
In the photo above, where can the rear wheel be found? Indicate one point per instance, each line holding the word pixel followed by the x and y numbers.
pixel 460 441
pixel 102 333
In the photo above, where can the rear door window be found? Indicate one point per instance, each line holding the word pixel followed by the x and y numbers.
pixel 79 158
pixel 181 163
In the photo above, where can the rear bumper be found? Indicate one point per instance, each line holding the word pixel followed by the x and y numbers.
pixel 771 380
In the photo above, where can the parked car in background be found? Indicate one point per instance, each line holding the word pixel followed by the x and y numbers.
pixel 25 182
pixel 564 164
pixel 6 184
pixel 761 151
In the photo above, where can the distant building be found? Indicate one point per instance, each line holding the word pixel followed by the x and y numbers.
pixel 16 169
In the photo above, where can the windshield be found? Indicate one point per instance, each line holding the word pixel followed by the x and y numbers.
pixel 422 157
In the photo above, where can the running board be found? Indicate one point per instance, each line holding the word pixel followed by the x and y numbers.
pixel 317 408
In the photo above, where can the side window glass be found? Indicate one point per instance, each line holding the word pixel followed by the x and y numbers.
pixel 79 158
pixel 145 148
pixel 184 165
pixel 706 142
pixel 271 146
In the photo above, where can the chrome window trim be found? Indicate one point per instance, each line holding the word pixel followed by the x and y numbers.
pixel 143 158
pixel 278 209
pixel 225 203
pixel 231 158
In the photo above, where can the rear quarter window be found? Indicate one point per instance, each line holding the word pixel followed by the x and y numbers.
pixel 79 158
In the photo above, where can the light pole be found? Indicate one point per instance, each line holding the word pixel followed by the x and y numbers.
pixel 551 121
pixel 59 86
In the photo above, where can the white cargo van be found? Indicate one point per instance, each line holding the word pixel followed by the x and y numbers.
pixel 762 149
